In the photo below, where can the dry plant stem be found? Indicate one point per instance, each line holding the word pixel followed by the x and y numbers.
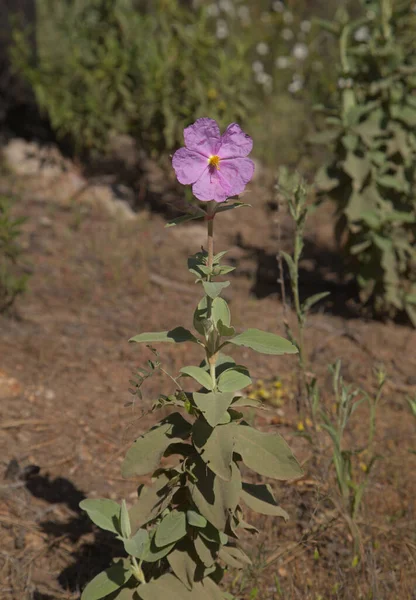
pixel 212 358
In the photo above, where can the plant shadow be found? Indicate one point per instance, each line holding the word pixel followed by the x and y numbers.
pixel 88 557
pixel 321 270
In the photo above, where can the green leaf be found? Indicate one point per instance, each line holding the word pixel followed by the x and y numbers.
pixel 104 513
pixel 224 330
pixel 169 587
pixel 201 376
pixel 206 550
pixel 152 553
pixel 214 497
pixel 234 557
pixel 243 401
pixel 183 219
pixel 225 206
pixel 324 182
pixel 212 589
pixel 183 565
pixel 264 342
pixel 358 168
pixel 144 455
pixel 312 300
pixel 174 336
pixel 265 453
pixel 195 519
pixel 216 446
pixel 260 499
pixel 214 289
pixel 290 265
pixel 152 501
pixel 221 312
pixel 234 379
pixel 125 521
pixel 213 405
pixel 171 529
pixel 137 544
pixel 201 321
pixel 107 581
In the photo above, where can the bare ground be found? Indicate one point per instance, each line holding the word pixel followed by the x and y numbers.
pixel 64 379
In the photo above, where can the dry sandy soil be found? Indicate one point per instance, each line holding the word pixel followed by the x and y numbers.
pixel 64 378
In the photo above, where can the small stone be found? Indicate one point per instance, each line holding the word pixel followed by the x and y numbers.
pixel 50 395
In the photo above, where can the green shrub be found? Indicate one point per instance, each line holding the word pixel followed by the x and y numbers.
pixel 105 65
pixel 372 175
pixel 12 280
pixel 115 65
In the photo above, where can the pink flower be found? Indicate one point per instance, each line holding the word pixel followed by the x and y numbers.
pixel 215 164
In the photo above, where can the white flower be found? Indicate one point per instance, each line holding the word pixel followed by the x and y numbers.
pixel 244 13
pixel 300 51
pixel 287 34
pixel 288 17
pixel 262 49
pixel 226 6
pixel 344 83
pixel 265 80
pixel 295 86
pixel 222 29
pixel 362 34
pixel 257 66
pixel 213 10
pixel 282 62
pixel 278 6
pixel 305 26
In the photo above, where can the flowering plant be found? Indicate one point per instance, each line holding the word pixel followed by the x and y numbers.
pixel 184 529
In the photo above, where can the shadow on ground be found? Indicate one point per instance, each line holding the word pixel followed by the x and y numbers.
pixel 321 270
pixel 88 558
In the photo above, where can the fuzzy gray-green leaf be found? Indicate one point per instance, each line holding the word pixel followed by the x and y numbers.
pixel 201 376
pixel 171 529
pixel 104 513
pixel 260 499
pixel 234 379
pixel 213 405
pixel 144 455
pixel 213 496
pixel 216 446
pixel 183 565
pixel 214 289
pixel 136 545
pixel 266 453
pixel 264 342
pixel 173 336
pixel 221 312
pixel 107 581
pixel 152 501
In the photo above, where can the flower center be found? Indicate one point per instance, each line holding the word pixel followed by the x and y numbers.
pixel 214 161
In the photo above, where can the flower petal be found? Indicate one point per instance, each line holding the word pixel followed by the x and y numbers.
pixel 229 180
pixel 235 143
pixel 188 165
pixel 235 173
pixel 209 187
pixel 203 136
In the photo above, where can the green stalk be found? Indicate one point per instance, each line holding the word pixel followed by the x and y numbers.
pixel 212 358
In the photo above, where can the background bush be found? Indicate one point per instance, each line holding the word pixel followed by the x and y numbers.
pixel 372 176
pixel 148 69
pixel 12 278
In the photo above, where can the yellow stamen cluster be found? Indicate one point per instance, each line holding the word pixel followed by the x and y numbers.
pixel 214 161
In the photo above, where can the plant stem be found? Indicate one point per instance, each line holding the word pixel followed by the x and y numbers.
pixel 210 219
pixel 212 358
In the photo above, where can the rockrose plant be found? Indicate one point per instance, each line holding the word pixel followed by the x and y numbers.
pixel 183 531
